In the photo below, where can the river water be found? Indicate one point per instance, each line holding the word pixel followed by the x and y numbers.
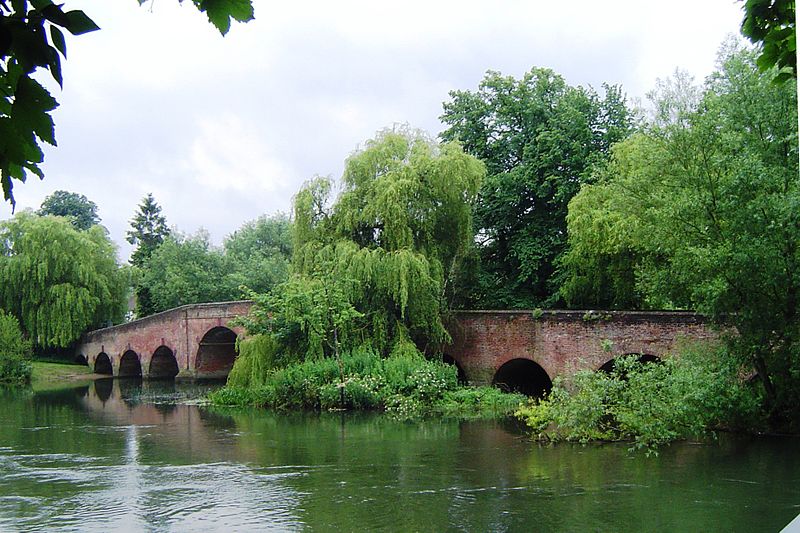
pixel 130 456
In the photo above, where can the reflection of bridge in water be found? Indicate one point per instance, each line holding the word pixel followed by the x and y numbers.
pixel 516 350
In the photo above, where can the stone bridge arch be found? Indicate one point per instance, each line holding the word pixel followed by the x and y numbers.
pixel 563 342
pixel 179 332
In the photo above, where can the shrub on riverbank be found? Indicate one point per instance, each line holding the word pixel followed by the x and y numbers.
pixel 647 403
pixel 407 386
pixel 15 352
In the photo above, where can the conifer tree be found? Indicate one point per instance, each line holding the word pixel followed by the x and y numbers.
pixel 149 230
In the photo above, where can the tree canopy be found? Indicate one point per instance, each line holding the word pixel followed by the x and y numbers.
pixel 81 211
pixel 31 38
pixel 539 138
pixel 58 281
pixel 260 252
pixel 376 267
pixel 701 213
pixel 185 270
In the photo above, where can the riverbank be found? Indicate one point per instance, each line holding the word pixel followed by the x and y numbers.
pixel 48 375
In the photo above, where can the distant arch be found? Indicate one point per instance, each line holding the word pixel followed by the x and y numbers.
pixel 81 360
pixel 450 360
pixel 129 365
pixel 523 376
pixel 216 353
pixel 102 364
pixel 608 366
pixel 163 364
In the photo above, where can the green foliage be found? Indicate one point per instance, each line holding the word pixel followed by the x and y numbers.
pixel 185 270
pixel 25 105
pixel 539 138
pixel 772 23
pixel 701 212
pixel 406 386
pixel 257 357
pixel 260 252
pixel 647 403
pixel 15 351
pixel 81 211
pixel 58 281
pixel 148 231
pixel 377 267
pixel 220 12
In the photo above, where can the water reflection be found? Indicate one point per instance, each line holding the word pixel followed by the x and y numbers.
pixel 145 455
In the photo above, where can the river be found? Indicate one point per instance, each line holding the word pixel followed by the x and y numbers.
pixel 130 456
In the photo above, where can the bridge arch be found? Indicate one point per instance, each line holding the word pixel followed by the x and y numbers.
pixel 216 352
pixel 524 376
pixel 163 363
pixel 130 365
pixel 102 364
pixel 450 360
pixel 608 366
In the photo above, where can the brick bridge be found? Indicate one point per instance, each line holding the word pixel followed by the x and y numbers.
pixel 520 350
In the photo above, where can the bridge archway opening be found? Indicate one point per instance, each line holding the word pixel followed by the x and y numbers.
pixel 163 364
pixel 81 360
pixel 608 366
pixel 216 353
pixel 129 365
pixel 523 376
pixel 102 364
pixel 450 360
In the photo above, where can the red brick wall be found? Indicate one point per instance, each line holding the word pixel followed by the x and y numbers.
pixel 179 329
pixel 562 342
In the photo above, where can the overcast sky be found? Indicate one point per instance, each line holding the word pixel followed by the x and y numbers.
pixel 222 130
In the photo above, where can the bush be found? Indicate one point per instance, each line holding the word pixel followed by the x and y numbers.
pixel 649 404
pixel 405 384
pixel 15 352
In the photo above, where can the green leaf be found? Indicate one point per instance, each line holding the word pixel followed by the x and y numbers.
pixel 41 5
pixel 58 40
pixel 54 14
pixel 55 67
pixel 79 23
pixel 220 12
pixel 30 111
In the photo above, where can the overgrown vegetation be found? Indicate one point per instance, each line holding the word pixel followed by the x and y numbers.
pixel 15 351
pixel 406 385
pixel 373 275
pixel 649 403
pixel 59 281
pixel 698 210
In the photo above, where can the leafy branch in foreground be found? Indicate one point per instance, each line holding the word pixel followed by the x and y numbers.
pixel 31 38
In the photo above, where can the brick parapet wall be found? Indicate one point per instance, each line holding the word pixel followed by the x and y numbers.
pixel 565 341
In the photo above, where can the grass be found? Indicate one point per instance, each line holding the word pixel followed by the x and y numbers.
pixel 48 375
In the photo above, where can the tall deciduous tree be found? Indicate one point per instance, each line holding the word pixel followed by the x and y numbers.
pixel 31 38
pixel 703 213
pixel 186 270
pixel 539 138
pixel 377 266
pixel 58 281
pixel 260 252
pixel 81 211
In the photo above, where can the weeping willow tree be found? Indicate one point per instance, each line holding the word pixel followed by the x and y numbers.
pixel 376 267
pixel 56 280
